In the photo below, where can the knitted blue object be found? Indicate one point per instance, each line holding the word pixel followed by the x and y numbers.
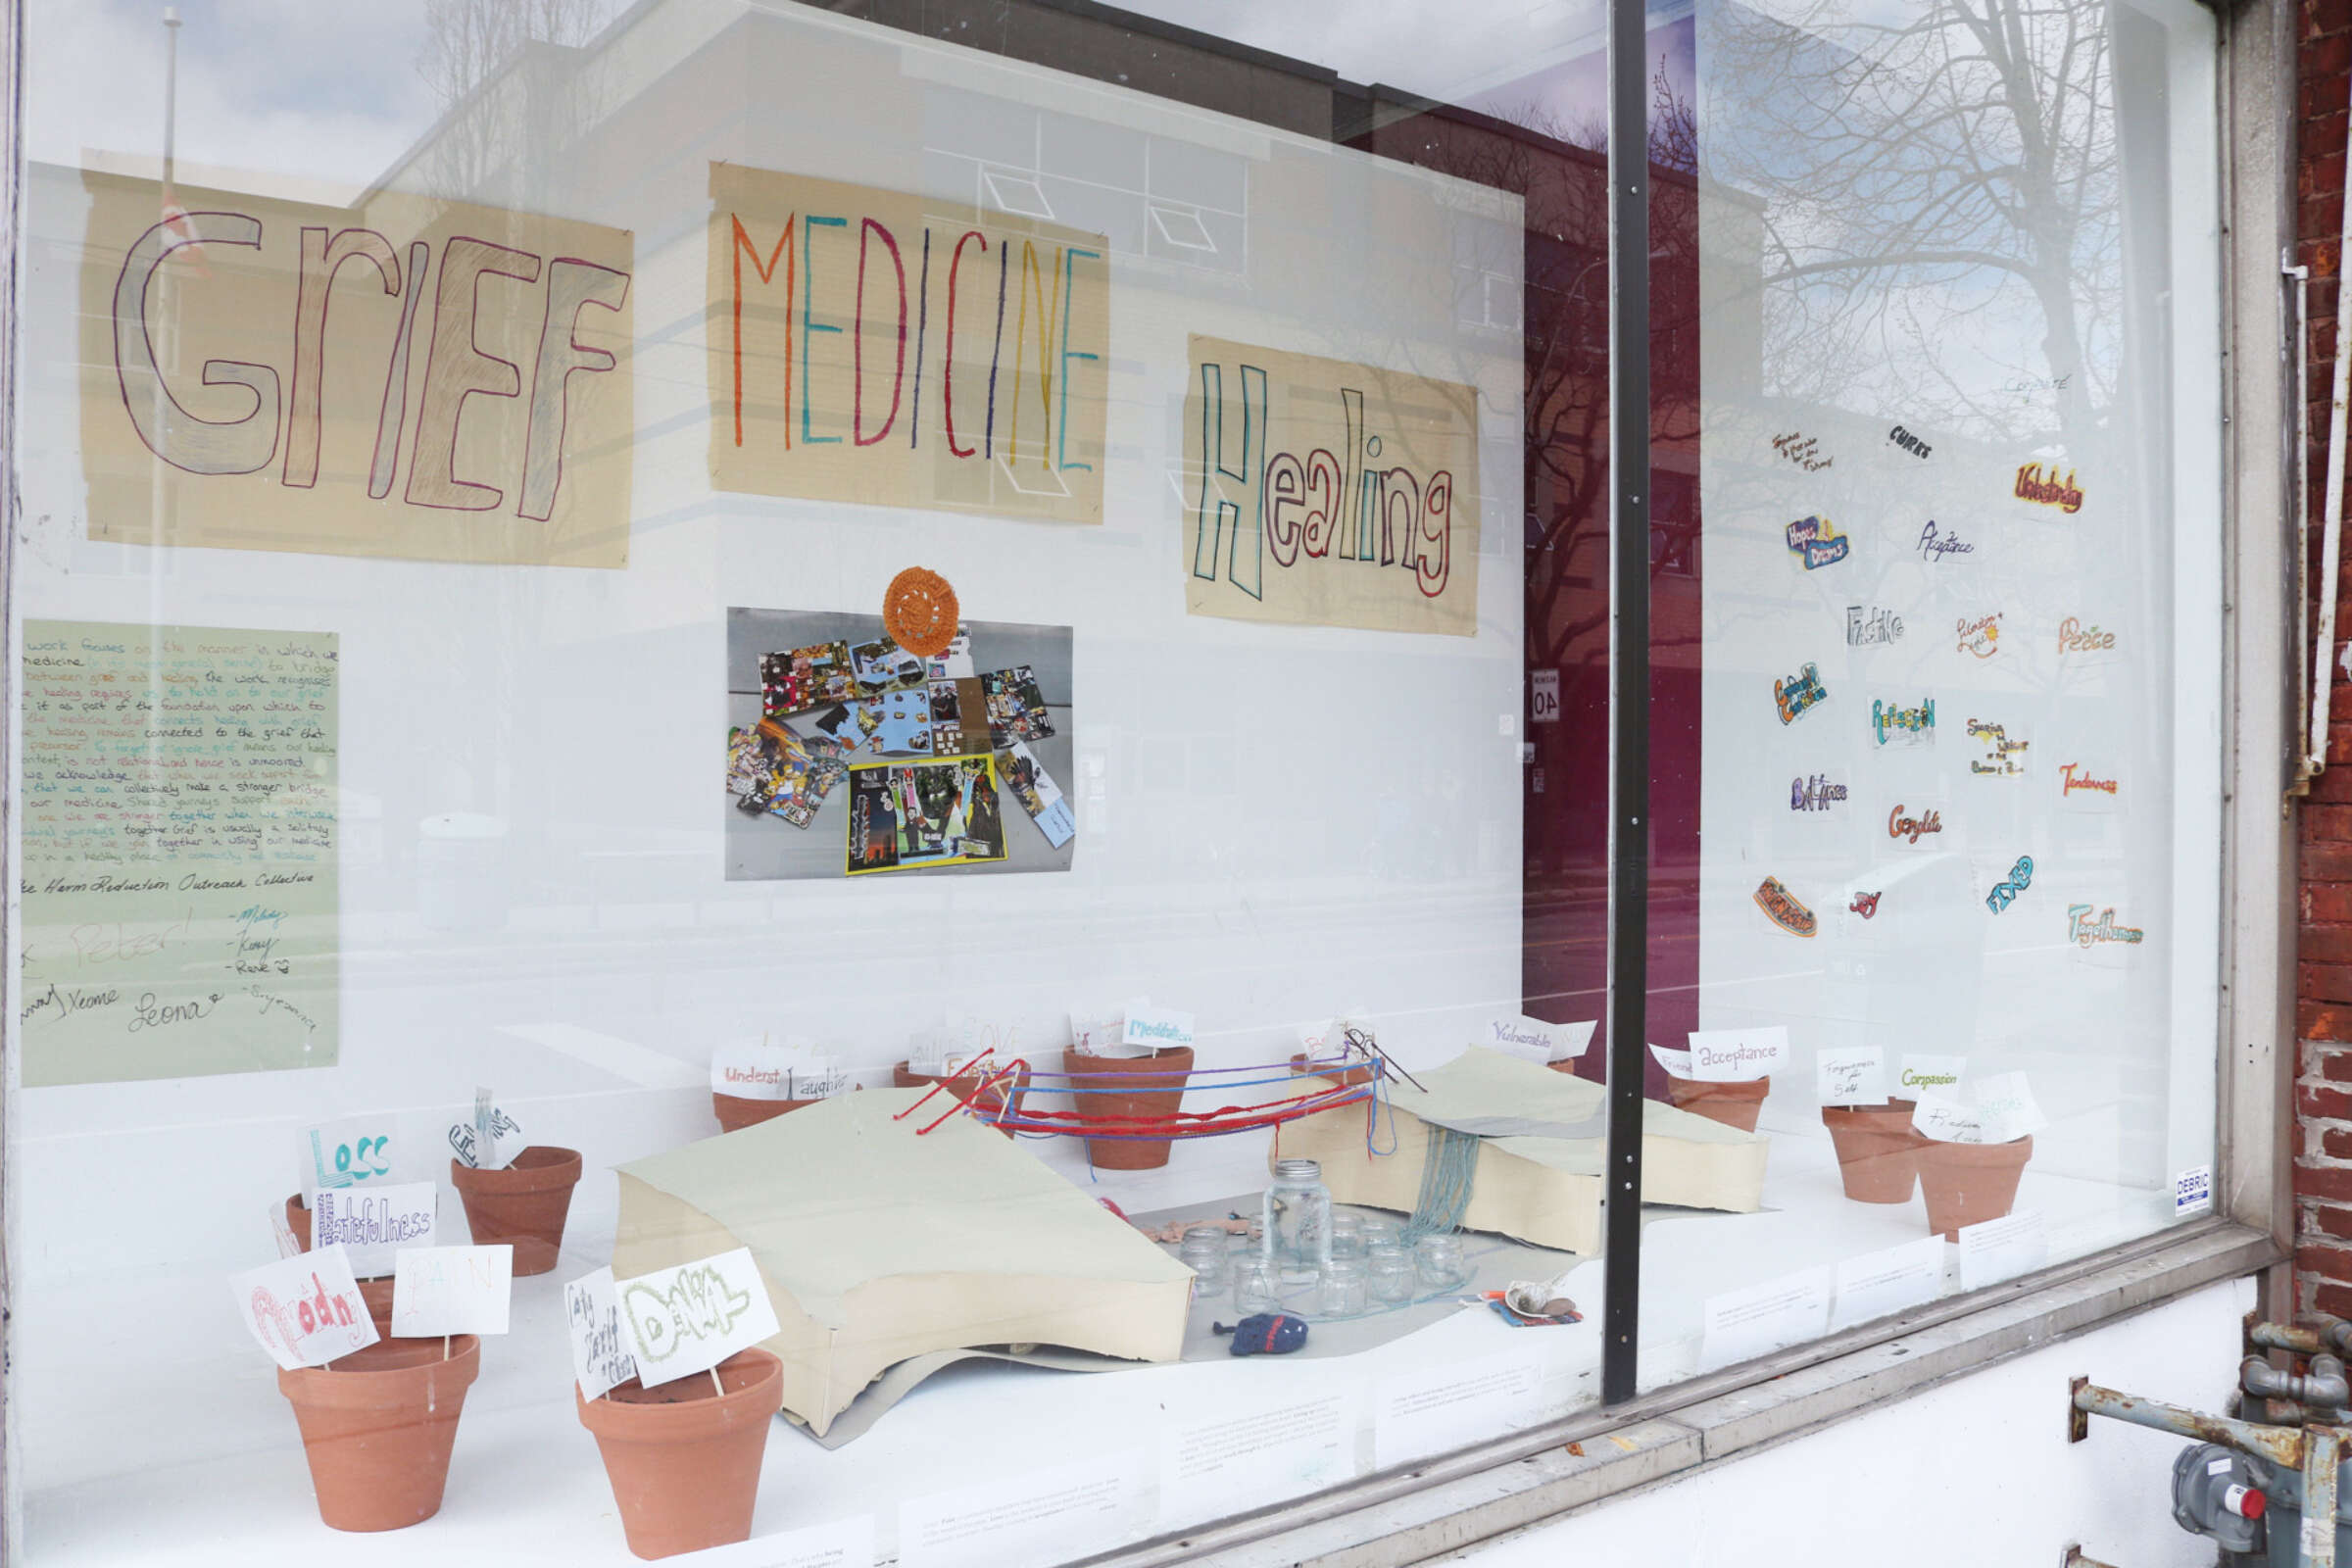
pixel 1265 1334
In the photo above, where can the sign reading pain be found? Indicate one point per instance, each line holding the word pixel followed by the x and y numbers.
pixel 401 378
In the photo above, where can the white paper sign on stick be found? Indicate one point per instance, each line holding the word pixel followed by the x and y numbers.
pixel 1534 1040
pixel 305 1310
pixel 1946 1118
pixel 373 1222
pixel 351 1153
pixel 1851 1075
pixel 2005 1107
pixel 1676 1062
pixel 690 1318
pixel 451 1290
pixel 751 1072
pixel 491 1141
pixel 1152 1029
pixel 288 1244
pixel 600 1345
pixel 1928 1072
pixel 1738 1056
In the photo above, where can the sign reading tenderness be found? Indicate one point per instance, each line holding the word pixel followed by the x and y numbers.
pixel 867 346
pixel 1327 494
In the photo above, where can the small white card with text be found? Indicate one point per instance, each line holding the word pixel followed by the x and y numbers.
pixel 600 1345
pixel 1851 1075
pixel 305 1310
pixel 1920 1072
pixel 690 1318
pixel 374 1222
pixel 1150 1029
pixel 349 1152
pixel 451 1290
pixel 1738 1056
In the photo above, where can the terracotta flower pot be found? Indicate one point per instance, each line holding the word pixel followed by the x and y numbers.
pixel 1117 1091
pixel 525 1203
pixel 1878 1153
pixel 1733 1105
pixel 376 1293
pixel 683 1459
pixel 966 1084
pixel 735 1112
pixel 377 1424
pixel 1360 1073
pixel 1968 1184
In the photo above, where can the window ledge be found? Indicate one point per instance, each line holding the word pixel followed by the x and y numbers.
pixel 1410 1515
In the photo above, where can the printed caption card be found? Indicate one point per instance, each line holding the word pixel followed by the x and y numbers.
pixel 600 1345
pixel 451 1290
pixel 307 1310
pixel 688 1318
pixel 375 1222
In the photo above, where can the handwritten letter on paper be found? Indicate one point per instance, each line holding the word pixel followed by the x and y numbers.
pixel 179 852
pixel 871 347
pixel 1327 494
pixel 266 375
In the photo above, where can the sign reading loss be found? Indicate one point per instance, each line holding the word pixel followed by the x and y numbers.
pixel 867 346
pixel 402 377
pixel 1327 494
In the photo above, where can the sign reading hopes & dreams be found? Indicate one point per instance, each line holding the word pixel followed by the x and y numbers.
pixel 1323 493
pixel 690 1318
pixel 305 1310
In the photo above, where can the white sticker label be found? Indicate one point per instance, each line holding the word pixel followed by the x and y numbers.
pixel 1738 1056
pixel 451 1290
pixel 307 1310
pixel 374 1222
pixel 690 1318
pixel 1851 1075
pixel 599 1349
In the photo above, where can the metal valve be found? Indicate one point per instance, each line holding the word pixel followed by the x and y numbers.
pixel 2215 1493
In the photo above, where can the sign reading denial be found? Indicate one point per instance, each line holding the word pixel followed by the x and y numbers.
pixel 1322 493
pixel 690 1318
pixel 866 347
pixel 224 403
pixel 305 1310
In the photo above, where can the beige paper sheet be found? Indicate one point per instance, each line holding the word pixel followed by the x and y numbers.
pixel 873 347
pixel 878 1244
pixel 1322 493
pixel 404 377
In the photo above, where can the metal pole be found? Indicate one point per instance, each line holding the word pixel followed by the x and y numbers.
pixel 1628 686
pixel 171 85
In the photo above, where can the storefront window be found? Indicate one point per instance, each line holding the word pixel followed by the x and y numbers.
pixel 900 719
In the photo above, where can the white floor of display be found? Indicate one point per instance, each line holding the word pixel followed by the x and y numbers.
pixel 526 1486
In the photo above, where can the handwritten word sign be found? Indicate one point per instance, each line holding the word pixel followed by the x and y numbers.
pixel 1947 1118
pixel 1676 1062
pixel 2006 1109
pixel 1919 1071
pixel 305 1310
pixel 871 347
pixel 600 1348
pixel 690 1318
pixel 1851 1075
pixel 1738 1056
pixel 1536 1040
pixel 180 850
pixel 1321 493
pixel 374 1222
pixel 451 1290
pixel 347 1153
pixel 266 375
pixel 753 1072
pixel 1157 1028
pixel 491 1141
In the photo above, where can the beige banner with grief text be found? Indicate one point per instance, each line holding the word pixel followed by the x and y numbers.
pixel 884 349
pixel 404 377
pixel 1322 493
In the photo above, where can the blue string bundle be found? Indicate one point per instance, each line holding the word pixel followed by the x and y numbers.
pixel 1449 1173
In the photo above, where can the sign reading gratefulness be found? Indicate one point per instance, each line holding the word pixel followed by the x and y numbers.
pixel 402 377
pixel 873 347
pixel 1327 494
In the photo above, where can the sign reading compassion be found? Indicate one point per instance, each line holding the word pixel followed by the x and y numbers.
pixel 867 346
pixel 399 377
pixel 1328 494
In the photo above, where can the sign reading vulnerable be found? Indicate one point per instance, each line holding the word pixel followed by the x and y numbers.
pixel 1322 493
pixel 867 346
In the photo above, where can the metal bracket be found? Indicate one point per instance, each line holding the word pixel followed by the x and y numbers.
pixel 2078 1419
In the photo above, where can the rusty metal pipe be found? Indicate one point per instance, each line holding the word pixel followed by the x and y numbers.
pixel 2325 1387
pixel 2287 1337
pixel 2283 1446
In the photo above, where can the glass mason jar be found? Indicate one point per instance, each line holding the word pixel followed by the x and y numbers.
pixel 1298 1220
pixel 1204 1251
pixel 1394 1281
pixel 1256 1288
pixel 1440 1263
pixel 1348 1237
pixel 1346 1290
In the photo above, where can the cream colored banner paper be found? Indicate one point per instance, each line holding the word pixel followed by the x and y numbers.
pixel 404 377
pixel 178 852
pixel 873 347
pixel 1321 493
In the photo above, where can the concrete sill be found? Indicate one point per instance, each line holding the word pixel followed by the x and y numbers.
pixel 1410 1515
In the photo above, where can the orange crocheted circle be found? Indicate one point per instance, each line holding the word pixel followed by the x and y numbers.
pixel 919 613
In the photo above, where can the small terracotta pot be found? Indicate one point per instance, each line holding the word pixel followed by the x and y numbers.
pixel 966 1084
pixel 735 1112
pixel 525 1203
pixel 377 1424
pixel 1968 1184
pixel 1113 1090
pixel 1360 1073
pixel 683 1459
pixel 1878 1153
pixel 376 1293
pixel 1733 1105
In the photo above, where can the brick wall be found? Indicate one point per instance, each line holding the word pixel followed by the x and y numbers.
pixel 2323 953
